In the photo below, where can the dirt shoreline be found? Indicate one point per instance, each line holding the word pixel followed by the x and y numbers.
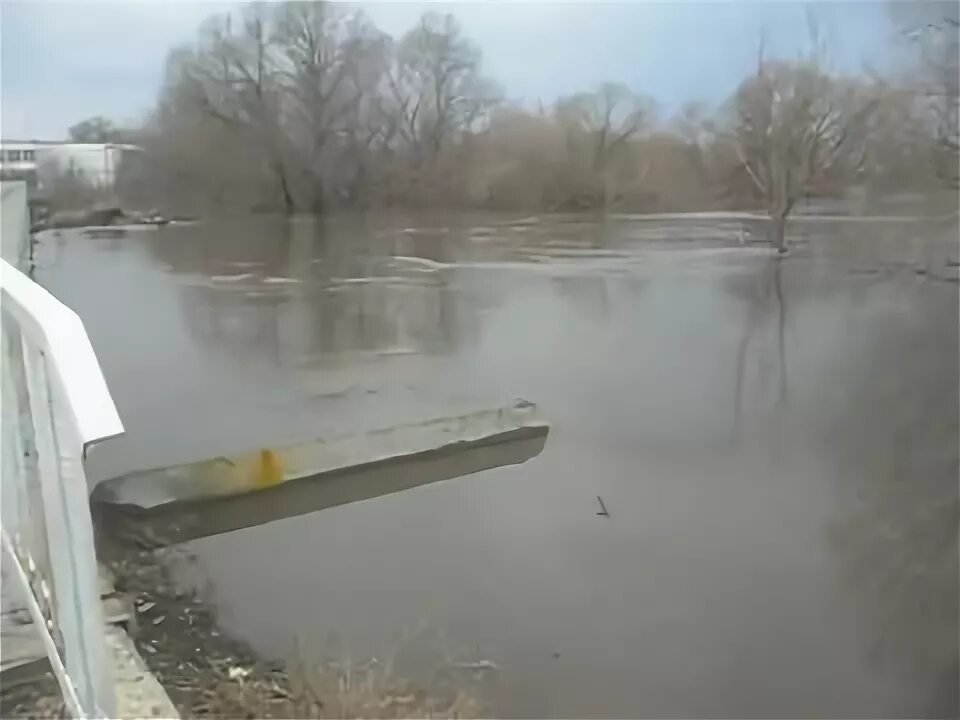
pixel 178 638
pixel 209 674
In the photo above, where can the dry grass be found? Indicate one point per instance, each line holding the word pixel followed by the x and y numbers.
pixel 335 689
pixel 209 674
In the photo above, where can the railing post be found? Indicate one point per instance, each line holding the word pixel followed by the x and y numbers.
pixel 79 615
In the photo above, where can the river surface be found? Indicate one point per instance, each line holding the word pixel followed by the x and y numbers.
pixel 775 441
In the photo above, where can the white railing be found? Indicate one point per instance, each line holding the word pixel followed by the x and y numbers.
pixel 55 404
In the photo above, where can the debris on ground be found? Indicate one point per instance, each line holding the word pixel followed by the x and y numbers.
pixel 208 674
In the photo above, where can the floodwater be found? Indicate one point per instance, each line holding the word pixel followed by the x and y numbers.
pixel 775 442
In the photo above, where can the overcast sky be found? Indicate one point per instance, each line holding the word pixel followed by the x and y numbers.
pixel 61 62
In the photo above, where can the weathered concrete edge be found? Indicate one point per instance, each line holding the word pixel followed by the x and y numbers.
pixel 177 522
pixel 240 473
pixel 138 692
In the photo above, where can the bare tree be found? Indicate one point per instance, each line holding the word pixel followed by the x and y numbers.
pixel 332 59
pixel 96 129
pixel 198 161
pixel 931 30
pixel 438 91
pixel 796 129
pixel 321 105
pixel 609 118
pixel 235 78
pixel 370 131
pixel 307 105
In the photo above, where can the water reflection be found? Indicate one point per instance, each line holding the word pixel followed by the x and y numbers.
pixel 897 515
pixel 284 291
pixel 764 331
pixel 589 293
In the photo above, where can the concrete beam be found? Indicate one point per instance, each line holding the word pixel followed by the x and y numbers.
pixel 167 506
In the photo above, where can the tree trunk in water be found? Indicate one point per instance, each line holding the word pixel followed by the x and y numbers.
pixel 288 204
pixel 781 334
pixel 317 203
pixel 777 232
pixel 741 370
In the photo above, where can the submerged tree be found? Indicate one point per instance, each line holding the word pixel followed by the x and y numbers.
pixel 795 130
pixel 331 63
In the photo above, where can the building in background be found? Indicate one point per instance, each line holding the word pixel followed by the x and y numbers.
pixel 18 161
pixel 38 162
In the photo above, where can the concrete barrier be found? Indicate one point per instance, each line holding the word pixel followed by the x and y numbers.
pixel 166 506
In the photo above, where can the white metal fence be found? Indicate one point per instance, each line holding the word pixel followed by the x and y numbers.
pixel 55 404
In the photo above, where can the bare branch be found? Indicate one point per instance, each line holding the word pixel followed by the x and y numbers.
pixel 746 164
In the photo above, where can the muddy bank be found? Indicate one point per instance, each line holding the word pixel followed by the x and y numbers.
pixel 181 645
pixel 209 674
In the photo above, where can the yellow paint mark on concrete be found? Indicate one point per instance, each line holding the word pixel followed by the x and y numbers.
pixel 271 469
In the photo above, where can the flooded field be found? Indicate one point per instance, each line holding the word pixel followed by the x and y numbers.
pixel 775 441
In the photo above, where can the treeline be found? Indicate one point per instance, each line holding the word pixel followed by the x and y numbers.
pixel 308 107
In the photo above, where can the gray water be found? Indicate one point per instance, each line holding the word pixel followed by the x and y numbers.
pixel 775 440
